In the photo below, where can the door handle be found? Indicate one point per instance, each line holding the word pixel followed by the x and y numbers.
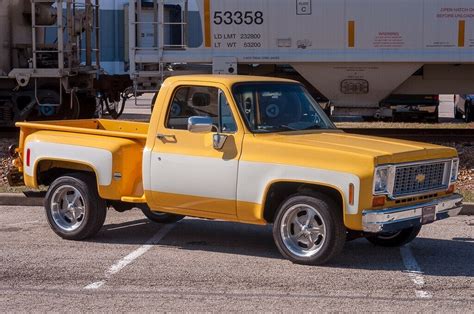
pixel 161 136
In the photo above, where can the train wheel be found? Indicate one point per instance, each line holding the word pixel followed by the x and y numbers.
pixel 48 109
pixel 87 105
pixel 69 110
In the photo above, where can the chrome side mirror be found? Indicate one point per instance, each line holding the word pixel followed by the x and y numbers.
pixel 198 124
pixel 218 140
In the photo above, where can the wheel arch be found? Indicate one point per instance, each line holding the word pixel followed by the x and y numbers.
pixel 46 170
pixel 279 190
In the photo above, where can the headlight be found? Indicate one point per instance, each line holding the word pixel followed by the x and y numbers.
pixel 381 180
pixel 454 170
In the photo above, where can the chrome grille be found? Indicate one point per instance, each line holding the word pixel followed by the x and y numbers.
pixel 418 178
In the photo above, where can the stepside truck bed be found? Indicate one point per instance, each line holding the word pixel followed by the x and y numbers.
pixel 109 148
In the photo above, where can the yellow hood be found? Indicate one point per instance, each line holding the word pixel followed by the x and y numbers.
pixel 381 150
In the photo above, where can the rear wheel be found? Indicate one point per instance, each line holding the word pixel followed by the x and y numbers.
pixel 394 239
pixel 163 218
pixel 309 229
pixel 74 208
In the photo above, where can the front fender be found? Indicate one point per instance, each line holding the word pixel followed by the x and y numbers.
pixel 256 177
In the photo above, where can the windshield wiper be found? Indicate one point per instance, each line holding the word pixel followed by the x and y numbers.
pixel 290 128
pixel 287 128
pixel 312 127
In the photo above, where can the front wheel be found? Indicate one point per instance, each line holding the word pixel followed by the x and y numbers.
pixel 162 218
pixel 74 208
pixel 395 239
pixel 309 229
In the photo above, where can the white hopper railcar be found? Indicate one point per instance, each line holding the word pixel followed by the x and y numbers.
pixel 355 52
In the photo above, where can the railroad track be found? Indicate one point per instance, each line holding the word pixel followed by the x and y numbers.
pixel 431 135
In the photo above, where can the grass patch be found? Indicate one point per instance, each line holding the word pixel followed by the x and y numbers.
pixel 16 189
pixel 468 195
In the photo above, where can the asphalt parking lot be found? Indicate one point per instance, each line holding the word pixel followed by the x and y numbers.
pixel 200 265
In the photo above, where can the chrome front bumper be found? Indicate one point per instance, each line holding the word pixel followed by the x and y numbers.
pixel 395 219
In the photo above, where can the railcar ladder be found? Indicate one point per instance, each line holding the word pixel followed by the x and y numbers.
pixel 68 43
pixel 143 74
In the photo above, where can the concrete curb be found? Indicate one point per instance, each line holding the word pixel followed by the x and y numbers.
pixel 20 199
pixel 468 209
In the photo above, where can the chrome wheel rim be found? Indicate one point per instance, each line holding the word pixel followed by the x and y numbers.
pixel 303 230
pixel 68 208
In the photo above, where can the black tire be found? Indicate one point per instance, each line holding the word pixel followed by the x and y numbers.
pixel 162 218
pixel 94 207
pixel 326 213
pixel 395 239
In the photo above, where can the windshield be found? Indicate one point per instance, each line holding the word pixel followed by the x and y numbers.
pixel 277 107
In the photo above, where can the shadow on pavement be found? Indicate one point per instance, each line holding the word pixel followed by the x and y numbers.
pixel 436 257
pixel 135 232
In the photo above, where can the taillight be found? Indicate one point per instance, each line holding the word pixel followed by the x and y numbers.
pixel 28 156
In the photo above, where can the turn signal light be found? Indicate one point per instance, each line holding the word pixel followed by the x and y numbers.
pixel 451 188
pixel 378 201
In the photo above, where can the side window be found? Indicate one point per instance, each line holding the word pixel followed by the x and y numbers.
pixel 189 101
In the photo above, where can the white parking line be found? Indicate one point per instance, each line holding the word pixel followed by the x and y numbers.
pixel 414 272
pixel 119 265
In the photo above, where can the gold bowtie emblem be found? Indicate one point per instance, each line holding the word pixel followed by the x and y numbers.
pixel 420 178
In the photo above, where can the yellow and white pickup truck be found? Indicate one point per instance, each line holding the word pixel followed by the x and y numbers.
pixel 238 148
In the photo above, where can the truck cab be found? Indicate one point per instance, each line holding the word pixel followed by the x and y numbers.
pixel 247 149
